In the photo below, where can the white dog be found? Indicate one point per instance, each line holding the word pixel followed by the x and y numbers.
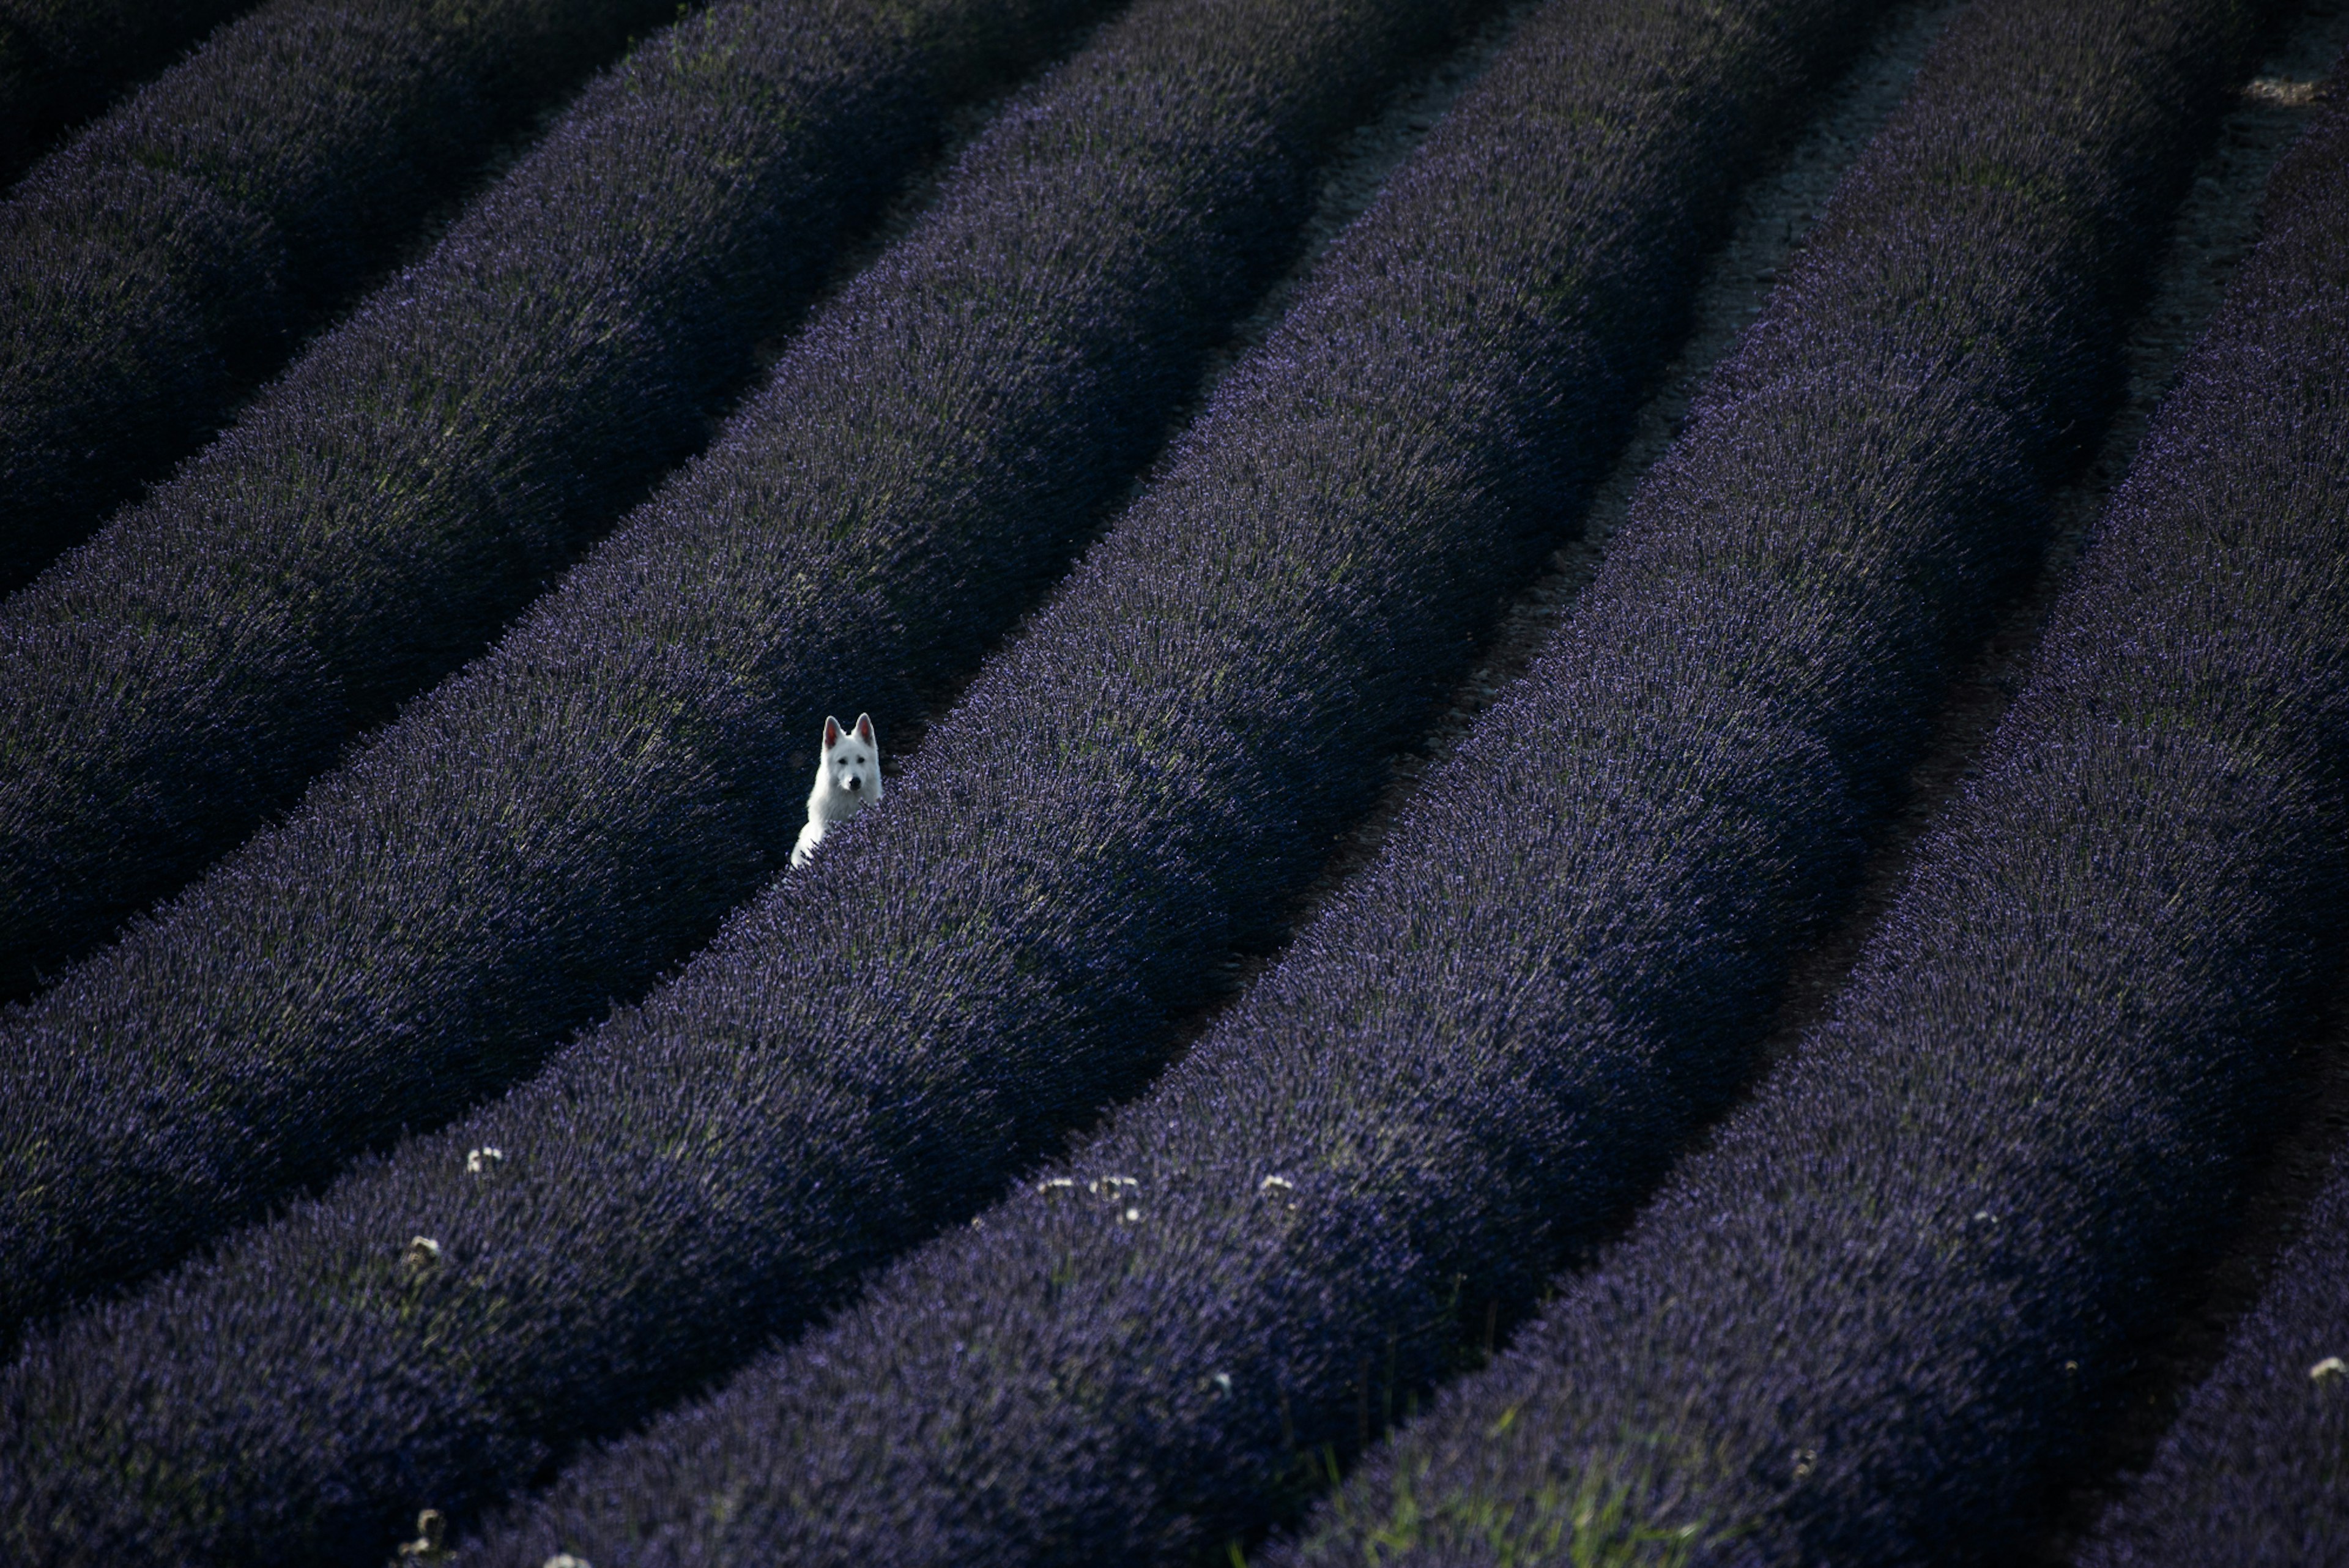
pixel 847 780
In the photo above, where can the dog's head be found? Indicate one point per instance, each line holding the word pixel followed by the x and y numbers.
pixel 852 758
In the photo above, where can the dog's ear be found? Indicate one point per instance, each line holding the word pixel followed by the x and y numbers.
pixel 830 733
pixel 864 729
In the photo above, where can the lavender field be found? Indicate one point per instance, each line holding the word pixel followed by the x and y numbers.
pixel 1617 740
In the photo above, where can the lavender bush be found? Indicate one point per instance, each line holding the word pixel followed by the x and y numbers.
pixel 169 256
pixel 61 60
pixel 421 472
pixel 1501 1032
pixel 885 1036
pixel 1880 1318
pixel 582 805
pixel 2252 1473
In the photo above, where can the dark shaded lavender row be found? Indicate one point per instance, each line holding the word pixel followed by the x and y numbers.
pixel 61 60
pixel 1882 1318
pixel 419 474
pixel 1499 1034
pixel 721 1165
pixel 1129 792
pixel 585 804
pixel 2255 1473
pixel 170 256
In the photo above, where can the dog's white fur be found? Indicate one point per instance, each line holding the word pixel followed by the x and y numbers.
pixel 847 780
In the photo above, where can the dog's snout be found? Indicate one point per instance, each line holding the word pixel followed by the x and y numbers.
pixel 855 782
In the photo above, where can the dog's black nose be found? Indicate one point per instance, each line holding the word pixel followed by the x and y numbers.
pixel 853 781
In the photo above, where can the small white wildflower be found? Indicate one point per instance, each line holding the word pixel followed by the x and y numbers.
pixel 564 1560
pixel 2070 1367
pixel 1053 1184
pixel 1805 1461
pixel 430 1530
pixel 1224 1381
pixel 1131 1217
pixel 1270 1182
pixel 423 1252
pixel 483 1160
pixel 2328 1370
pixel 1110 1186
pixel 977 1224
pixel 1984 1217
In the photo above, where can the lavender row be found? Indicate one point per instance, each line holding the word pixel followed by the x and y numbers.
pixel 167 259
pixel 2252 1473
pixel 61 60
pixel 581 808
pixel 851 1453
pixel 885 1037
pixel 1496 1037
pixel 419 474
pixel 1882 1318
